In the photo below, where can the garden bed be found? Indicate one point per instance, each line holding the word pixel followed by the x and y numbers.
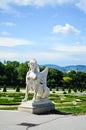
pixel 68 103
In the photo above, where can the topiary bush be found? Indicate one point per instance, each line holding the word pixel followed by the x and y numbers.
pixel 17 88
pixel 69 90
pixel 4 88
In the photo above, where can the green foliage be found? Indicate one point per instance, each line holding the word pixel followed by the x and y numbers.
pixel 64 92
pixel 67 79
pixel 17 88
pixel 55 78
pixel 4 88
pixel 63 89
pixel 57 89
pixel 75 90
pixel 2 69
pixel 22 70
pixel 13 73
pixel 69 90
pixel 53 90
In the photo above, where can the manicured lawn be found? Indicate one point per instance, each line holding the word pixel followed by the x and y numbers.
pixel 9 108
pixel 12 98
pixel 68 103
pixel 74 109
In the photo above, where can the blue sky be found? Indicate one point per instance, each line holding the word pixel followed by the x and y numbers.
pixel 51 31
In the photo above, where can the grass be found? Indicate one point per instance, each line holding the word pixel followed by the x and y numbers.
pixel 63 102
pixel 12 98
pixel 9 108
pixel 75 110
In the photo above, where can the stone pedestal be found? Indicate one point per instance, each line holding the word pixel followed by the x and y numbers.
pixel 37 107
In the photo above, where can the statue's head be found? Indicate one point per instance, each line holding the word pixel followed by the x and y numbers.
pixel 33 61
pixel 32 64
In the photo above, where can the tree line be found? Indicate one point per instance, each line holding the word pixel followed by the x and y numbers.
pixel 13 73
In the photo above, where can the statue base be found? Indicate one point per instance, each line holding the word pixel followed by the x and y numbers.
pixel 37 106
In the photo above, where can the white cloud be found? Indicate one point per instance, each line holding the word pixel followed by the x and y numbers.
pixel 8 55
pixel 45 55
pixel 82 5
pixel 9 24
pixel 5 33
pixel 67 28
pixel 9 42
pixel 42 57
pixel 61 55
pixel 78 49
pixel 41 2
pixel 6 4
pixel 71 54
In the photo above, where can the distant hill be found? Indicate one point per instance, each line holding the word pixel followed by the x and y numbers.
pixel 81 68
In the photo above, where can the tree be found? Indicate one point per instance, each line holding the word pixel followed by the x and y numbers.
pixel 81 82
pixel 22 70
pixel 78 80
pixel 11 72
pixel 72 75
pixel 55 77
pixel 2 72
pixel 2 69
pixel 67 82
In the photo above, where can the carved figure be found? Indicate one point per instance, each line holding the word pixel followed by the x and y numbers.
pixel 36 81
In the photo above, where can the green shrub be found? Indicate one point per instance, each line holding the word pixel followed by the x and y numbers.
pixel 57 89
pixel 63 89
pixel 53 90
pixel 4 88
pixel 17 89
pixel 75 90
pixel 64 92
pixel 69 90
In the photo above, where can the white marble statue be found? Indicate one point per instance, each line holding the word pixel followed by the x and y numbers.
pixel 36 81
